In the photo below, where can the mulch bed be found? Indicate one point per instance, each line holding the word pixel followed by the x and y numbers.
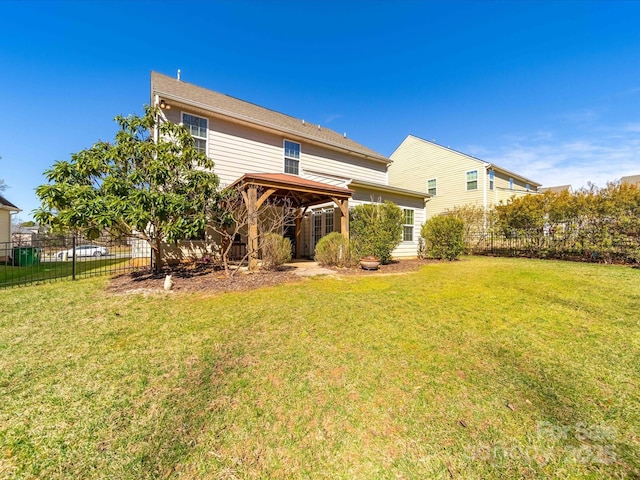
pixel 206 278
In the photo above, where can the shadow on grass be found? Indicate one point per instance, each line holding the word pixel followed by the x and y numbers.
pixel 198 401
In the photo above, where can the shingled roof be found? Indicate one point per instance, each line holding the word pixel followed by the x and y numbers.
pixel 7 205
pixel 225 105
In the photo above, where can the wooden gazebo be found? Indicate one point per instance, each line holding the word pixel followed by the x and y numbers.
pixel 302 193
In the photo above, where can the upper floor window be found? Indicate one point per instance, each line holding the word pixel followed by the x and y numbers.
pixel 407 228
pixel 432 187
pixel 197 127
pixel 472 180
pixel 527 187
pixel 511 184
pixel 291 157
pixel 492 179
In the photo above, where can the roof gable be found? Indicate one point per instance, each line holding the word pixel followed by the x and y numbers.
pixel 232 107
pixel 475 159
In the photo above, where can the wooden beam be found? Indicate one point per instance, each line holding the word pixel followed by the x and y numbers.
pixel 264 196
pixel 343 205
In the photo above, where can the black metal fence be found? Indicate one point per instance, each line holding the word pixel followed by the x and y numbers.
pixel 45 258
pixel 554 246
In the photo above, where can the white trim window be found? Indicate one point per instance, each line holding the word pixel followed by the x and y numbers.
pixel 432 187
pixel 492 179
pixel 472 180
pixel 291 157
pixel 407 228
pixel 198 128
pixel 328 221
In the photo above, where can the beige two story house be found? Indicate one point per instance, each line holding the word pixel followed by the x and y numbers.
pixel 325 172
pixel 453 178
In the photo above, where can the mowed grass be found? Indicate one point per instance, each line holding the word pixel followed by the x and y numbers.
pixel 481 368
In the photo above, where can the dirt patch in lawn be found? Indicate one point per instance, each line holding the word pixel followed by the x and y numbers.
pixel 206 278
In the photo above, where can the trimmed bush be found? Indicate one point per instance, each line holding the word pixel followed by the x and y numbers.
pixel 444 237
pixel 276 251
pixel 376 229
pixel 333 250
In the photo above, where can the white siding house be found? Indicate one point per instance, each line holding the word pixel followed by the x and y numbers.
pixel 247 141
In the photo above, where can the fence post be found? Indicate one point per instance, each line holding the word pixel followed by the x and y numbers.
pixel 73 260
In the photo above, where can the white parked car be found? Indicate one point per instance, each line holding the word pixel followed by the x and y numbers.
pixel 84 251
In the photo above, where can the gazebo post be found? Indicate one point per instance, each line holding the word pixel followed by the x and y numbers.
pixel 251 198
pixel 253 203
pixel 343 205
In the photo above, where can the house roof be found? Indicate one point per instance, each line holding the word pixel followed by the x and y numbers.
pixel 7 205
pixel 556 189
pixel 484 162
pixel 227 106
pixel 632 179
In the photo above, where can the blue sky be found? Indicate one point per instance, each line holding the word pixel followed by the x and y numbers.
pixel 550 90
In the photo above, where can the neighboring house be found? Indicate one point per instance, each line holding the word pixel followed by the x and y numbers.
pixel 453 178
pixel 323 172
pixel 6 209
pixel 631 180
pixel 24 236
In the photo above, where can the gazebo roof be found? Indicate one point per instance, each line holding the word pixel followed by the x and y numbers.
pixel 303 192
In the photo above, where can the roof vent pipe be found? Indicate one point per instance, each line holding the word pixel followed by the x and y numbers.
pixel 344 134
pixel 303 122
pixel 179 74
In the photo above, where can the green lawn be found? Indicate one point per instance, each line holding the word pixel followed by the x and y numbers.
pixel 481 368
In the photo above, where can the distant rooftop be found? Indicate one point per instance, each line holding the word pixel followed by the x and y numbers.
pixel 556 189
pixel 632 179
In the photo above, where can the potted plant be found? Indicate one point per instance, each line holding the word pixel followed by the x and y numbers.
pixel 370 262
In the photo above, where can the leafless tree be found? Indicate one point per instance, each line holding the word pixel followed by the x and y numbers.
pixel 230 220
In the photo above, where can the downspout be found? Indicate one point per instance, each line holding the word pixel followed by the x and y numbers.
pixel 11 214
pixel 10 244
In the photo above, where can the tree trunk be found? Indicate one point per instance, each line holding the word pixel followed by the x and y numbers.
pixel 157 254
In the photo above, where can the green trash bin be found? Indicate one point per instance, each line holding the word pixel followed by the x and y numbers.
pixel 26 256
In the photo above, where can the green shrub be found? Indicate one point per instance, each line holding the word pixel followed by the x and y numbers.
pixel 276 251
pixel 376 229
pixel 444 237
pixel 334 250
